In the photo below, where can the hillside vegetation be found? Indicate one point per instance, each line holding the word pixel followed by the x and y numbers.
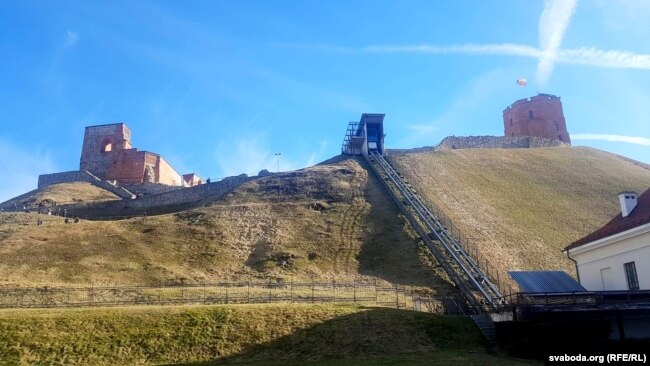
pixel 328 222
pixel 64 193
pixel 279 334
pixel 523 206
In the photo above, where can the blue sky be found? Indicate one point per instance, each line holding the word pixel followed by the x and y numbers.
pixel 218 87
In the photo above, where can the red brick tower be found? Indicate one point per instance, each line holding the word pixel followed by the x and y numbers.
pixel 102 148
pixel 108 154
pixel 540 116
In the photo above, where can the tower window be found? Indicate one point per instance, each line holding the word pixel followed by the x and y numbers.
pixel 107 146
pixel 510 122
pixel 557 128
pixel 531 114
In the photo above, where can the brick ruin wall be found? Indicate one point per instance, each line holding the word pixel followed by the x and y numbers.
pixel 166 174
pixel 496 142
pixel 106 150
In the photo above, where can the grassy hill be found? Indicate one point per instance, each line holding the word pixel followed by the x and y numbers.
pixel 278 334
pixel 64 193
pixel 523 206
pixel 328 222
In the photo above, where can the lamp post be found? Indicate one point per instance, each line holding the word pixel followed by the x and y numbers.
pixel 277 158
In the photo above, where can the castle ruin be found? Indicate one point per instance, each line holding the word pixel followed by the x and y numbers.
pixel 108 154
pixel 532 122
pixel 538 116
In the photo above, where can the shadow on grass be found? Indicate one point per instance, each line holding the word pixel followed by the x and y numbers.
pixel 376 335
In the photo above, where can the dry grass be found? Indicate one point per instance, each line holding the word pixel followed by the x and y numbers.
pixel 329 222
pixel 65 193
pixel 523 206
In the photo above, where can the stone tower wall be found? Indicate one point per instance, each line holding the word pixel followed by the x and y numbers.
pixel 122 162
pixel 539 116
pixel 93 157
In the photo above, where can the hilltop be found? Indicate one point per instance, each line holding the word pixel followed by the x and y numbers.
pixel 328 222
pixel 523 206
pixel 65 193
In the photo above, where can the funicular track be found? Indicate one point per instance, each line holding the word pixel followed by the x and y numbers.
pixel 479 292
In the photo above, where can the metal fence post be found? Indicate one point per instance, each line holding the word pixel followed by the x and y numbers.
pixel 498 281
pixel 396 298
pixel 376 294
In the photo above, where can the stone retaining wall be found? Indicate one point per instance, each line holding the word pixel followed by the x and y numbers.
pixel 148 189
pixel 496 142
pixel 158 203
pixel 45 180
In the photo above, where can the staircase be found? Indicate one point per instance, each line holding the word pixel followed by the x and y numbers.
pixel 486 325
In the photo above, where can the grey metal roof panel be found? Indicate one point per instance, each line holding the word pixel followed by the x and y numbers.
pixel 534 282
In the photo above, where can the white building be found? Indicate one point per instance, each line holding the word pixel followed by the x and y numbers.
pixel 616 257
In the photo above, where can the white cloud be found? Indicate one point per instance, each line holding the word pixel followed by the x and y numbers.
pixel 20 169
pixel 315 156
pixel 613 138
pixel 71 39
pixel 247 155
pixel 421 128
pixel 553 24
pixel 510 49
pixel 252 153
pixel 604 58
pixel 584 56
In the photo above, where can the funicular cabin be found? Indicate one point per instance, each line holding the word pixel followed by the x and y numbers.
pixel 365 136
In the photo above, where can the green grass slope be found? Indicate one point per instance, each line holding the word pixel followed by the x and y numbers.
pixel 250 334
pixel 523 206
pixel 329 222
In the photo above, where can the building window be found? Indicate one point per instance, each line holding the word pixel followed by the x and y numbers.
pixel 630 274
pixel 510 122
pixel 531 114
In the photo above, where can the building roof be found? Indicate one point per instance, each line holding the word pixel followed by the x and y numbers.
pixel 639 216
pixel 535 282
pixel 372 118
